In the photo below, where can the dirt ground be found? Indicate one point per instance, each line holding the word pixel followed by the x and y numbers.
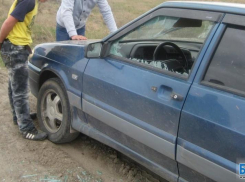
pixel 84 160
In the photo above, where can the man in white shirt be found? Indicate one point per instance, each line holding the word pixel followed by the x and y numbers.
pixel 72 16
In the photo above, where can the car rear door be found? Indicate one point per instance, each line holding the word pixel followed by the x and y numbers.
pixel 139 106
pixel 212 126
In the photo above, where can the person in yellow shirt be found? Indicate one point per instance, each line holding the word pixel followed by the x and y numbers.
pixel 15 40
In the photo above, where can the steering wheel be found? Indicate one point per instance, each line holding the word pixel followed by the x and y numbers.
pixel 158 48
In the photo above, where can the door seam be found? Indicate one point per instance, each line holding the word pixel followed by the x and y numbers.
pixel 176 142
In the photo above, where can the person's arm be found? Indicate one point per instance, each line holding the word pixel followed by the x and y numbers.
pixel 67 17
pixel 18 15
pixel 108 17
pixel 7 27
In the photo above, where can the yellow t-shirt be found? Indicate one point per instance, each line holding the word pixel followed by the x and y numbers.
pixel 21 33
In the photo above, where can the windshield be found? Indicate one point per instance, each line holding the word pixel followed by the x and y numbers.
pixel 171 28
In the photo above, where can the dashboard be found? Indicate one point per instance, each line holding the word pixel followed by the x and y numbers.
pixel 166 57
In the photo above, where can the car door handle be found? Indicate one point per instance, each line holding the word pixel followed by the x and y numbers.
pixel 166 92
pixel 176 97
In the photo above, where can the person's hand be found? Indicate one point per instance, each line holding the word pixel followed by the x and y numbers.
pixel 78 37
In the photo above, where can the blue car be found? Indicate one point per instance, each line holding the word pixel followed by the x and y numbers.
pixel 167 90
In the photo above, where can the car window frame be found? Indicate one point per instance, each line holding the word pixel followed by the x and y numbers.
pixel 230 21
pixel 204 15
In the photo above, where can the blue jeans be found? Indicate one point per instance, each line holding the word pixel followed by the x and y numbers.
pixel 62 35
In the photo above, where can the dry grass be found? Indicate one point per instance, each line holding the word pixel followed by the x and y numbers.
pixel 124 11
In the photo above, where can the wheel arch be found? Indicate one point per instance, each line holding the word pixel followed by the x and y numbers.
pixel 46 75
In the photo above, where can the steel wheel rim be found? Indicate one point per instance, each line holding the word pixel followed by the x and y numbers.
pixel 52 111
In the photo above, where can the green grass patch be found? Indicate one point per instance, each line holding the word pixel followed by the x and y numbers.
pixel 41 34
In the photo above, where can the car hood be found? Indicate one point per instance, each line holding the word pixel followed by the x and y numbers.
pixel 65 52
pixel 78 42
pixel 50 45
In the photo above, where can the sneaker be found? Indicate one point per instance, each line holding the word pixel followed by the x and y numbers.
pixel 34 134
pixel 33 116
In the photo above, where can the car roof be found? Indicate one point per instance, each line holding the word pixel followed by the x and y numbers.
pixel 233 8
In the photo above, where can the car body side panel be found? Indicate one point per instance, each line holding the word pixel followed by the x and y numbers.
pixel 109 81
pixel 188 174
pixel 212 128
pixel 111 137
pixel 211 131
pixel 129 129
pixel 66 61
pixel 120 96
pixel 222 124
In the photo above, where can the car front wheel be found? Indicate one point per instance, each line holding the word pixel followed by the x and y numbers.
pixel 54 113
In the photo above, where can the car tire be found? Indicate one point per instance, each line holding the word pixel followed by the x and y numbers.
pixel 54 112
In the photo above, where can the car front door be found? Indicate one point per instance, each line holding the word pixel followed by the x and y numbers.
pixel 212 126
pixel 135 94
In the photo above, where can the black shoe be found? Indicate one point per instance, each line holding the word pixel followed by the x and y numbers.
pixel 33 116
pixel 34 134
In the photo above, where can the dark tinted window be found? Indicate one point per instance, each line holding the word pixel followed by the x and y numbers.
pixel 227 68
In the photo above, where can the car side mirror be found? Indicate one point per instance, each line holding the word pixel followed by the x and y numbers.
pixel 97 50
pixel 94 50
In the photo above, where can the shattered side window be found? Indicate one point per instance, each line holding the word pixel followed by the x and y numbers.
pixel 157 64
pixel 152 29
pixel 145 31
pixel 163 29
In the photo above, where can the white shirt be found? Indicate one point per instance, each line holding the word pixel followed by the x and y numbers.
pixel 73 14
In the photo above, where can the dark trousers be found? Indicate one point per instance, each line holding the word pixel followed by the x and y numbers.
pixel 62 35
pixel 15 59
pixel 11 101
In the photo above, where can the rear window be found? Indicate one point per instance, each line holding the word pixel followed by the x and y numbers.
pixel 227 68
